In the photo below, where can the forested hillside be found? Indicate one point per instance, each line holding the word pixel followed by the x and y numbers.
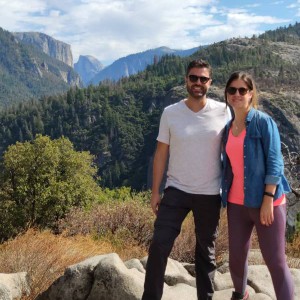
pixel 28 73
pixel 118 122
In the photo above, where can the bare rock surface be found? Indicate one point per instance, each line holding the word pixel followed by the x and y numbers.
pixel 107 277
pixel 14 286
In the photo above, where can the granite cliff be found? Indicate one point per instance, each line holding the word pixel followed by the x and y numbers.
pixel 48 45
pixel 87 67
pixel 27 71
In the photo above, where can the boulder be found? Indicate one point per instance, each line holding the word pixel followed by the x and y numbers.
pixel 135 263
pixel 222 281
pixel 5 293
pixel 76 283
pixel 114 281
pixel 296 277
pixel 260 279
pixel 107 277
pixel 14 286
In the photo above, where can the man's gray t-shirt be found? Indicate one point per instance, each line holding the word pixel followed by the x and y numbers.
pixel 195 146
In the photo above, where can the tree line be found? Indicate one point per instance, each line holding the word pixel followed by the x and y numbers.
pixel 118 121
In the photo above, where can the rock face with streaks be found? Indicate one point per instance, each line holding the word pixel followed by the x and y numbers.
pixel 48 45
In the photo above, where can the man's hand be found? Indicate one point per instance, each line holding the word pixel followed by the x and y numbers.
pixel 266 211
pixel 155 201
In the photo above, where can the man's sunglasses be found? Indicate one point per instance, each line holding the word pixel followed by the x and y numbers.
pixel 232 90
pixel 194 78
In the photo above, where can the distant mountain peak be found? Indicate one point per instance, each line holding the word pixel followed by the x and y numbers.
pixel 87 67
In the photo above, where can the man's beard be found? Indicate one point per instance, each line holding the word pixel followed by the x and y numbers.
pixel 198 94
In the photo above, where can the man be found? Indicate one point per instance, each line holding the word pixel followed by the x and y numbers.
pixel 190 136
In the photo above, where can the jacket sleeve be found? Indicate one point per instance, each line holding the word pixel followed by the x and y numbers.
pixel 272 151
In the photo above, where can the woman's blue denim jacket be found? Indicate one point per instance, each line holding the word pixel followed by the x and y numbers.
pixel 263 162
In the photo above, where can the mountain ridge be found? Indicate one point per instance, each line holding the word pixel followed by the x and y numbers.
pixel 134 63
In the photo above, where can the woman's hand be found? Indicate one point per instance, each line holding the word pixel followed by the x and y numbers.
pixel 266 211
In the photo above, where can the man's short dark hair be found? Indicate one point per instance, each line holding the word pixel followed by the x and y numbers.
pixel 199 63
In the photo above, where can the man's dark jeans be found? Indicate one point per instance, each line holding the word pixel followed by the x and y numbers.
pixel 174 207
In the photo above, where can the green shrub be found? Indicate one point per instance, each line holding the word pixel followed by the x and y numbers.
pixel 41 181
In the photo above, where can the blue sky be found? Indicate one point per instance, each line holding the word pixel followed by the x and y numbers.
pixel 110 29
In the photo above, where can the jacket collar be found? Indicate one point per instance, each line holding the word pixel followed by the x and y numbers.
pixel 250 114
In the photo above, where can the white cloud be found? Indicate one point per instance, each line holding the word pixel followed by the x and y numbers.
pixel 254 5
pixel 296 7
pixel 15 14
pixel 110 29
pixel 239 22
pixel 118 28
pixel 54 13
pixel 246 19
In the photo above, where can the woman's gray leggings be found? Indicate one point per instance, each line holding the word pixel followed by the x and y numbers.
pixel 241 221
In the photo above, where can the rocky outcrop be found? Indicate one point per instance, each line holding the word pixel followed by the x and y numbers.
pixel 48 45
pixel 14 286
pixel 87 67
pixel 107 277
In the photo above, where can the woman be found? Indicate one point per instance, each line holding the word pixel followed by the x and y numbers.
pixel 254 187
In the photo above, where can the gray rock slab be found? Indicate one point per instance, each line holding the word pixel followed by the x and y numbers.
pixel 222 281
pixel 296 277
pixel 260 296
pixel 176 273
pixel 222 295
pixel 5 293
pixel 76 283
pixel 179 291
pixel 114 281
pixel 16 283
pixel 135 263
pixel 260 279
pixel 107 277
